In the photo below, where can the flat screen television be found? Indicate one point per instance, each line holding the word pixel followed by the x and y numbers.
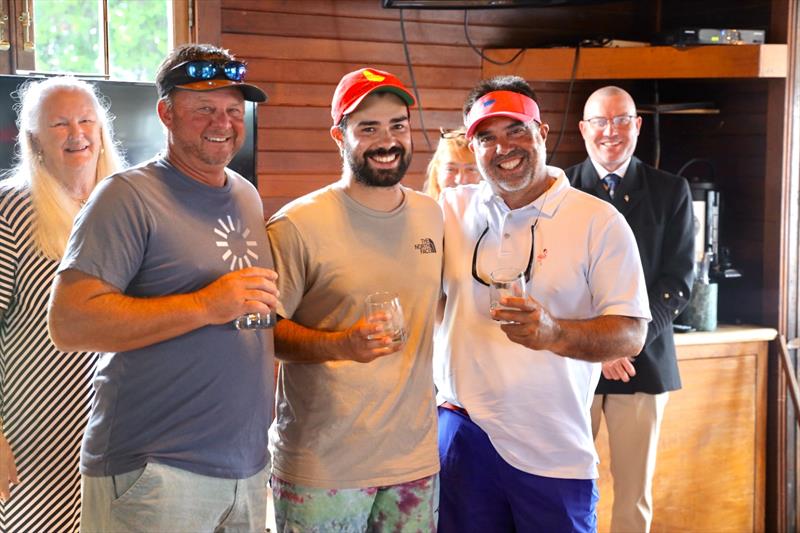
pixel 483 4
pixel 136 124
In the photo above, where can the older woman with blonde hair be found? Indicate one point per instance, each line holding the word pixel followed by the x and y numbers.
pixel 452 164
pixel 65 147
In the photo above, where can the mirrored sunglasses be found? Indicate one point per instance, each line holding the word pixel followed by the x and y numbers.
pixel 206 70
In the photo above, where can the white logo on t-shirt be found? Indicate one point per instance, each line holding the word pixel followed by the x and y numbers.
pixel 238 251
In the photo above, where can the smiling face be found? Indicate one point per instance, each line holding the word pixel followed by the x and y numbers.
pixel 456 168
pixel 376 141
pixel 68 134
pixel 206 130
pixel 612 145
pixel 511 156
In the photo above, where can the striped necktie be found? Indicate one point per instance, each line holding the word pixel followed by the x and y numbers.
pixel 611 181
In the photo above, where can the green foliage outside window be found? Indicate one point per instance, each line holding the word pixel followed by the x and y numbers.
pixel 69 37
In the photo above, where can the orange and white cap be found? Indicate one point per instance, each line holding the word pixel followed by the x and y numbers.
pixel 501 104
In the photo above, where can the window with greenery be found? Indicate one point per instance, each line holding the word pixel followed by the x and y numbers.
pixel 118 39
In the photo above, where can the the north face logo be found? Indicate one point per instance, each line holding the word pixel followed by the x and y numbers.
pixel 425 246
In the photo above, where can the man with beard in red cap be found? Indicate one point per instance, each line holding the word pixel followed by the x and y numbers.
pixel 354 440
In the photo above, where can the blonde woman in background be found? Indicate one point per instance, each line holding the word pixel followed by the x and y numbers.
pixel 65 147
pixel 452 164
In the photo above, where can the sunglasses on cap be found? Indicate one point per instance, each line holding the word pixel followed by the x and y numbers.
pixel 209 75
pixel 206 70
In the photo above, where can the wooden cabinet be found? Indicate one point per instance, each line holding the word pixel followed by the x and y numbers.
pixel 711 455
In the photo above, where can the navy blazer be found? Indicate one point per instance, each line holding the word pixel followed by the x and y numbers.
pixel 658 208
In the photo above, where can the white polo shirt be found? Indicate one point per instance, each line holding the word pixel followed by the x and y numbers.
pixel 534 405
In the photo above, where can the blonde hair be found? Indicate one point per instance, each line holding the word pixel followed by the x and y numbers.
pixel 453 145
pixel 54 210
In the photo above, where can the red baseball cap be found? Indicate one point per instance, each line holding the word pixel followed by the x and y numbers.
pixel 355 86
pixel 501 104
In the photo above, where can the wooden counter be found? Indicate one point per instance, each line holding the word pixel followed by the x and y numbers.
pixel 711 455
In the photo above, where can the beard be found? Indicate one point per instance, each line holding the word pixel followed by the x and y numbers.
pixel 518 181
pixel 367 175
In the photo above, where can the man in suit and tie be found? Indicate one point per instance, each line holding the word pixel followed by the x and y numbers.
pixel 633 393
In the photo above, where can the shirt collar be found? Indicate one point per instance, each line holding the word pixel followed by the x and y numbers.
pixel 619 171
pixel 547 202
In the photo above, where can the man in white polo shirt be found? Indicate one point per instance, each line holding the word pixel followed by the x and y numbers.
pixel 515 386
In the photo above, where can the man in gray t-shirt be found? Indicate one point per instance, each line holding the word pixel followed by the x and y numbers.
pixel 354 437
pixel 161 262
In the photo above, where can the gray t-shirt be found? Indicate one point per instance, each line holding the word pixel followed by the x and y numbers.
pixel 202 401
pixel 343 424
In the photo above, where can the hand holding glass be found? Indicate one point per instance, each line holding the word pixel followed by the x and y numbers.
pixel 506 282
pixel 384 308
pixel 255 321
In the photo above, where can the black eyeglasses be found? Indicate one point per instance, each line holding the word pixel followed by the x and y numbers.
pixel 620 121
pixel 452 134
pixel 207 70
pixel 528 269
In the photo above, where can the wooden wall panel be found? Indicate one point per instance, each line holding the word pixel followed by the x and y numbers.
pixel 298 51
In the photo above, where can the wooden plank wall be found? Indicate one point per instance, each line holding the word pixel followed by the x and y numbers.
pixel 298 51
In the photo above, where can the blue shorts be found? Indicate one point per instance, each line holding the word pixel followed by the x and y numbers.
pixel 481 492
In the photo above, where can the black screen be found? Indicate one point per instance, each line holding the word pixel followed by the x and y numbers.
pixel 136 124
pixel 483 4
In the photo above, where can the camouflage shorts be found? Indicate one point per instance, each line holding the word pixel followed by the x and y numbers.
pixel 409 507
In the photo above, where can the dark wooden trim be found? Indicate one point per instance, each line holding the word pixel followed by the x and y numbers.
pixel 21 59
pixel 207 22
pixel 8 35
pixel 781 240
pixel 181 33
pixel 760 466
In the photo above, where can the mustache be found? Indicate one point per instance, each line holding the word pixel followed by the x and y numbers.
pixel 516 152
pixel 398 150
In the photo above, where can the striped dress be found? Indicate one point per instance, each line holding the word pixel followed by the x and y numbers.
pixel 45 394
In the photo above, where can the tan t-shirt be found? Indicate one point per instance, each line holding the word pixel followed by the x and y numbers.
pixel 345 424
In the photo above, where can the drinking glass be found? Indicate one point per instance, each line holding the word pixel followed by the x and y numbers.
pixel 255 321
pixel 505 282
pixel 385 308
